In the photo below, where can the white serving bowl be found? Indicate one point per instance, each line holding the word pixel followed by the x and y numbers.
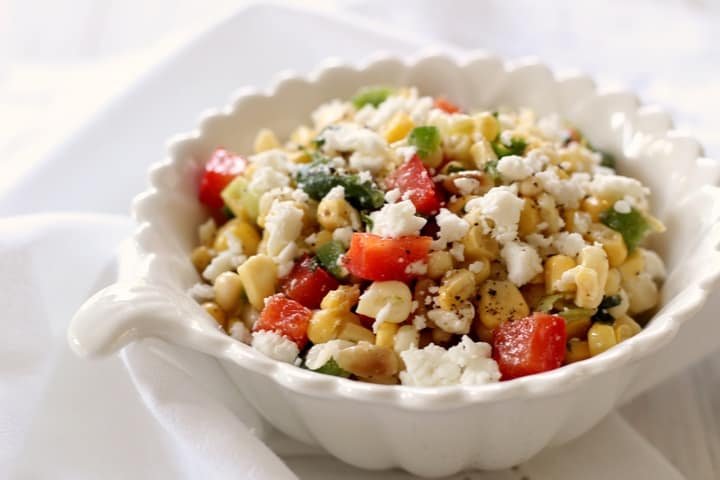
pixel 427 431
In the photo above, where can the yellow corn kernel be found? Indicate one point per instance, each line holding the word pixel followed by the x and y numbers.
pixel 385 335
pixel 242 231
pixel 300 156
pixel 591 278
pixel 216 312
pixel 578 327
pixel 577 350
pixel 458 147
pixel 461 124
pixel 626 327
pixel 201 257
pixel 302 136
pixel 440 336
pixel 479 245
pixel 407 337
pixel 500 300
pixel 595 206
pixel 529 218
pixel 613 282
pixel 259 279
pixel 207 231
pixel 480 269
pixel 633 266
pixel 456 287
pixel 321 238
pixel 530 187
pixel 600 338
pixel 369 361
pixel 569 218
pixel 549 213
pixel 342 298
pixel 482 153
pixel 611 241
pixel 398 127
pixel 265 140
pixel 335 213
pixel 487 125
pixel 228 288
pixel 356 333
pixel 439 263
pixel 389 301
pixel 554 268
pixel 325 325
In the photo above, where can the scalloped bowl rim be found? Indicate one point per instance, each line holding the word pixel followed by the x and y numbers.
pixel 452 396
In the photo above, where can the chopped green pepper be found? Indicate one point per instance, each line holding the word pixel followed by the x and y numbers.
pixel 517 147
pixel 332 368
pixel 574 314
pixel 426 140
pixel 318 178
pixel 632 225
pixel 328 255
pixel 547 303
pixel 608 160
pixel 371 96
pixel 238 198
pixel 367 220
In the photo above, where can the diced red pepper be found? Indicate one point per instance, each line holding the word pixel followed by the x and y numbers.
pixel 534 344
pixel 414 180
pixel 220 170
pixel 373 257
pixel 286 317
pixel 308 283
pixel 444 104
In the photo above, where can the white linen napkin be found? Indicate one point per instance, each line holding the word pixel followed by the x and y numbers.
pixel 176 415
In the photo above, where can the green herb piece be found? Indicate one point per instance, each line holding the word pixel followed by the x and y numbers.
pixel 517 147
pixel 547 303
pixel 426 140
pixel 575 314
pixel 602 315
pixel 328 255
pixel 454 167
pixel 367 220
pixel 332 368
pixel 239 199
pixel 608 160
pixel 318 178
pixel 632 226
pixel 227 212
pixel 492 171
pixel 371 96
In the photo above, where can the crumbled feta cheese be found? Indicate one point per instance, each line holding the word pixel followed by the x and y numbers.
pixel 321 353
pixel 282 226
pixel 416 268
pixel 506 137
pixel 513 168
pixel 335 193
pixel 452 228
pixel 347 137
pixel 222 262
pixel 365 177
pixel 568 244
pixel 392 196
pixel 206 231
pixel 299 196
pixel 454 321
pixel 523 262
pixel 552 127
pixel 458 251
pixel 622 206
pixel 476 267
pixel 582 222
pixel 397 220
pixel 240 332
pixel 538 241
pixel 416 107
pixel 419 322
pixel 201 292
pixel 361 161
pixel 274 159
pixel 275 346
pixel 566 192
pixel 343 234
pixel 467 363
pixel 503 207
pixel 285 260
pixel 618 186
pixel 536 159
pixel 467 186
pixel 265 179
pixel 235 245
pixel 406 153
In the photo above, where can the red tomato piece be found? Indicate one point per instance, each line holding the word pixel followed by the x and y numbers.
pixel 308 283
pixel 444 104
pixel 286 317
pixel 414 179
pixel 373 257
pixel 532 345
pixel 220 170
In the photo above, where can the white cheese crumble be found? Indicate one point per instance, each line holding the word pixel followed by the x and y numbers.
pixel 343 234
pixel 392 196
pixel 419 322
pixel 201 292
pixel 523 262
pixel 240 332
pixel 222 262
pixel 622 206
pixel 368 146
pixel 274 159
pixel 476 267
pixel 467 363
pixel 416 107
pixel 321 353
pixel 466 185
pixel 538 241
pixel 275 346
pixel 406 153
pixel 566 192
pixel 453 321
pixel 513 168
pixel 265 179
pixel 458 251
pixel 397 220
pixel 452 228
pixel 362 161
pixel 285 260
pixel 335 193
pixel 282 226
pixel 416 268
pixel 568 244
pixel 503 207
pixel 618 186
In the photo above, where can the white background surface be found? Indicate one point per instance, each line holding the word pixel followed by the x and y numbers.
pixel 59 66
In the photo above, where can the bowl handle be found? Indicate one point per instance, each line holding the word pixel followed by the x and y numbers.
pixel 127 311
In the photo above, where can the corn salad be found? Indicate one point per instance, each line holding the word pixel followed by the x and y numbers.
pixel 399 239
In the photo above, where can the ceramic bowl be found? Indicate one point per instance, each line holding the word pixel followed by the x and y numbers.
pixel 427 431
